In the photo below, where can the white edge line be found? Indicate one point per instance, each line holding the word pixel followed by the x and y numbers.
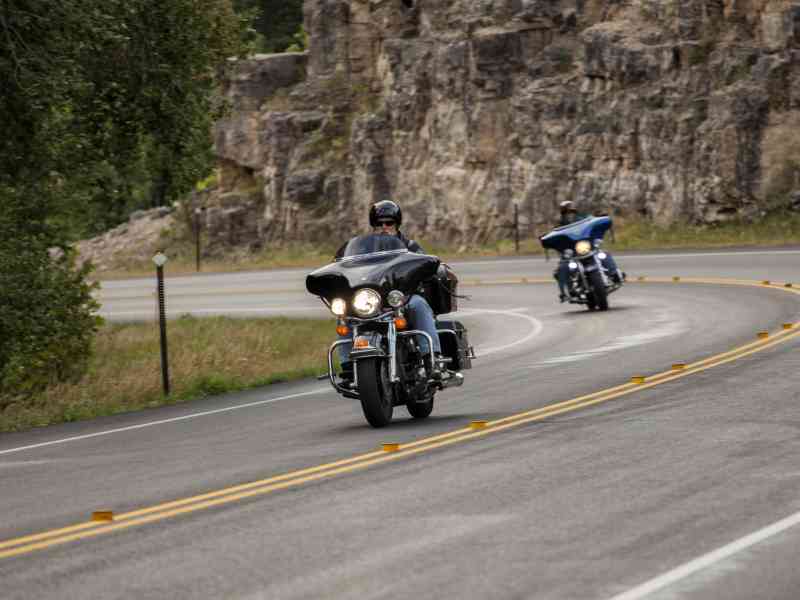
pixel 161 422
pixel 707 560
pixel 537 328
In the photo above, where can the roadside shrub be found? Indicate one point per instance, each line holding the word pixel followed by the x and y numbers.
pixel 46 313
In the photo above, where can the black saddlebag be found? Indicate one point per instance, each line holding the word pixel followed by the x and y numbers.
pixel 455 344
pixel 440 291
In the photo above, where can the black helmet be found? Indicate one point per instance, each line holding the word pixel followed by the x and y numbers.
pixel 567 206
pixel 385 209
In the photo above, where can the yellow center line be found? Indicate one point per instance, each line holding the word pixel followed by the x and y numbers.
pixel 46 539
pixel 184 501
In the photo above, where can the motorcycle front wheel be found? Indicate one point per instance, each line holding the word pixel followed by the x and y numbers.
pixel 599 292
pixel 374 391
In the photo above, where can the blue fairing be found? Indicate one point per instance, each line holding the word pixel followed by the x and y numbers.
pixel 565 237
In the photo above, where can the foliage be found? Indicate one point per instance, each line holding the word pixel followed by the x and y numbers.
pixel 276 22
pixel 106 106
pixel 110 101
pixel 46 321
pixel 300 43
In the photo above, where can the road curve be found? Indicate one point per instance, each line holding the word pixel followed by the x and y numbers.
pixel 652 493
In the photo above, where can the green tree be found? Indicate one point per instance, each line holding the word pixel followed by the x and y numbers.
pixel 46 322
pixel 275 21
pixel 100 101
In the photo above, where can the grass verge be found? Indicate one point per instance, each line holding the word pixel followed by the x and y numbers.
pixel 206 357
pixel 779 229
pixel 776 230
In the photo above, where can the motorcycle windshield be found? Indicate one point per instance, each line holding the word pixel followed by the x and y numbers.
pixel 381 262
pixel 369 244
pixel 565 237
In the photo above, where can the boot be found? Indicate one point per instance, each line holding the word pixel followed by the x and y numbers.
pixel 439 368
pixel 346 376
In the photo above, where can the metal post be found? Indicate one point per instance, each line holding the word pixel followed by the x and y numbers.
pixel 160 259
pixel 197 213
pixel 516 227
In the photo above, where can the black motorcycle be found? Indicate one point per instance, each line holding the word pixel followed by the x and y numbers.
pixel 579 245
pixel 367 289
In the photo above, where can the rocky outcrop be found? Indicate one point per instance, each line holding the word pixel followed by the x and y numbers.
pixel 132 243
pixel 458 109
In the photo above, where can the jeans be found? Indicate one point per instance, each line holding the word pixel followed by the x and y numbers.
pixel 419 315
pixel 562 272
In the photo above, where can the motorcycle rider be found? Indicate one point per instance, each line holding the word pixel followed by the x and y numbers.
pixel 385 217
pixel 569 215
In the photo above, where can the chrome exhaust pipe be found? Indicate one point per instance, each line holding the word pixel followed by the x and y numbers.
pixel 455 380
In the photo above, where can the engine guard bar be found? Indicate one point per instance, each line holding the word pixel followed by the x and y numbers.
pixel 332 377
pixel 336 344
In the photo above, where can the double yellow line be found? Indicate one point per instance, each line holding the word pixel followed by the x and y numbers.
pixel 46 539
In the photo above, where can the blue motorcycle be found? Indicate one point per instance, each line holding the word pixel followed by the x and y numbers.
pixel 587 273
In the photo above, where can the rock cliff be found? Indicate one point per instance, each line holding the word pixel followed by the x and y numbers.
pixel 657 109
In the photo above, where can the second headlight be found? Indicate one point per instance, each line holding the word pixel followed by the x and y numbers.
pixel 395 298
pixel 366 302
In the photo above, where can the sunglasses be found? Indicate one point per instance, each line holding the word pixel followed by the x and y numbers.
pixel 389 223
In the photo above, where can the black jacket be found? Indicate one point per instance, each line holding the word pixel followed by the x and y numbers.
pixel 412 245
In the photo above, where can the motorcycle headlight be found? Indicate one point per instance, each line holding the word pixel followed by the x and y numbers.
pixel 395 298
pixel 338 307
pixel 583 247
pixel 366 302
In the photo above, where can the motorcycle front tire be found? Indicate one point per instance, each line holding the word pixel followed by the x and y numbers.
pixel 599 291
pixel 374 391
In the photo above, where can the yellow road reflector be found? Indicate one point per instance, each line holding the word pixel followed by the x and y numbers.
pixel 762 335
pixel 638 379
pixel 478 424
pixel 103 515
pixel 676 278
pixel 678 366
pixel 766 282
pixel 391 447
pixel 788 325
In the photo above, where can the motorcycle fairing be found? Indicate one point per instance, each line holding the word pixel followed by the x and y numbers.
pixel 565 237
pixel 384 270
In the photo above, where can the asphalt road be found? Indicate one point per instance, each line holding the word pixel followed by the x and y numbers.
pixel 683 489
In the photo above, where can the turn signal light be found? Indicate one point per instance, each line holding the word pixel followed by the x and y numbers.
pixel 342 330
pixel 360 342
pixel 400 323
